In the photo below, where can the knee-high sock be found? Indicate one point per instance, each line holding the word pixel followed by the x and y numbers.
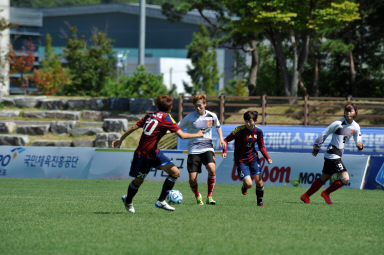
pixel 211 184
pixel 334 186
pixel 195 188
pixel 316 185
pixel 259 194
pixel 132 190
pixel 167 186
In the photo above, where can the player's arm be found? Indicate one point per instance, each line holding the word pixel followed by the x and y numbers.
pixel 263 150
pixel 185 135
pixel 220 133
pixel 229 138
pixel 321 138
pixel 358 140
pixel 117 142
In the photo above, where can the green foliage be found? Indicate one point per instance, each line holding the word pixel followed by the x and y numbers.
pixel 51 77
pixel 140 84
pixel 204 73
pixel 89 64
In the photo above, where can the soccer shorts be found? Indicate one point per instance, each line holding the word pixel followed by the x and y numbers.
pixel 141 165
pixel 332 166
pixel 195 161
pixel 249 169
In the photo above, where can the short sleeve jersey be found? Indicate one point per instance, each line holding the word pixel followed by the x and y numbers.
pixel 341 132
pixel 155 126
pixel 193 123
pixel 245 141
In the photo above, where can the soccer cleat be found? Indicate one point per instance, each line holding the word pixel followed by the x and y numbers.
pixel 326 197
pixel 199 200
pixel 164 205
pixel 244 190
pixel 128 207
pixel 261 204
pixel 305 198
pixel 210 201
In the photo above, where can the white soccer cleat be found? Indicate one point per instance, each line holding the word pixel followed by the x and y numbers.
pixel 129 207
pixel 164 205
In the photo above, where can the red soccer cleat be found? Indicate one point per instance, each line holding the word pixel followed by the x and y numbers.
pixel 326 197
pixel 305 198
pixel 261 204
pixel 244 190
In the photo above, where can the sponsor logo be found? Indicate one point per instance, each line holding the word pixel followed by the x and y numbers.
pixel 6 159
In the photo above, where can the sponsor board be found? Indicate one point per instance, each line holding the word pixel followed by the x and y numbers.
pixel 91 163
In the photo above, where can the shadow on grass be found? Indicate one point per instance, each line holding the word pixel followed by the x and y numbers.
pixel 108 213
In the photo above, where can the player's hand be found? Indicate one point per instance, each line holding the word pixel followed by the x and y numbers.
pixel 359 146
pixel 315 152
pixel 201 132
pixel 224 154
pixel 116 143
pixel 269 161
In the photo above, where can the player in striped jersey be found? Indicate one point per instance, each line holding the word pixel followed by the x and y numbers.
pixel 246 156
pixel 147 155
pixel 342 130
pixel 200 150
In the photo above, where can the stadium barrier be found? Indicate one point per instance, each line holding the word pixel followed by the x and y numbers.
pixel 93 163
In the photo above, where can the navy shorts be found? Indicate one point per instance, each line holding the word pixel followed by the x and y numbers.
pixel 332 166
pixel 195 161
pixel 141 165
pixel 248 169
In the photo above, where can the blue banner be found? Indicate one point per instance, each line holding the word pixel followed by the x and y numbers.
pixel 301 139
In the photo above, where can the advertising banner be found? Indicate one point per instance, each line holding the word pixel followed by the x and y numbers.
pixel 375 175
pixel 301 139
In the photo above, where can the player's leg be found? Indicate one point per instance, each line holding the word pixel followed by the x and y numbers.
pixel 340 182
pixel 328 169
pixel 255 170
pixel 173 174
pixel 259 190
pixel 139 170
pixel 245 176
pixel 209 162
pixel 194 164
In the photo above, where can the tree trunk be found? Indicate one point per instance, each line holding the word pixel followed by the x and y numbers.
pixel 281 60
pixel 352 73
pixel 254 68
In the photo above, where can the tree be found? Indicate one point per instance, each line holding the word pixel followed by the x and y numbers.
pixel 21 63
pixel 51 77
pixel 140 84
pixel 204 73
pixel 3 52
pixel 89 65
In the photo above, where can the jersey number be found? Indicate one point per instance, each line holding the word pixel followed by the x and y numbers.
pixel 150 126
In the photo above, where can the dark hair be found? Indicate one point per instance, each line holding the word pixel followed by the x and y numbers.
pixel 348 107
pixel 164 103
pixel 250 115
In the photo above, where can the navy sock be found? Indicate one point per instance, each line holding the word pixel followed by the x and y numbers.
pixel 167 186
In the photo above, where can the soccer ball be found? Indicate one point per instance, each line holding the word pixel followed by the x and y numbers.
pixel 174 197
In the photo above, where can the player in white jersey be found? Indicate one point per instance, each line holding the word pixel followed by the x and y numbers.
pixel 342 130
pixel 200 150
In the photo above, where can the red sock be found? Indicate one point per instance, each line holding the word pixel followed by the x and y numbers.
pixel 316 185
pixel 194 188
pixel 334 186
pixel 211 184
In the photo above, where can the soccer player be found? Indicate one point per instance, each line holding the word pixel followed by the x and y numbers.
pixel 200 150
pixel 246 156
pixel 147 155
pixel 342 130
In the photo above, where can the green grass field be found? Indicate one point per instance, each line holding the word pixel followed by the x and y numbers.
pixel 64 216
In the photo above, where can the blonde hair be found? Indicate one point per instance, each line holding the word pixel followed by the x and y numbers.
pixel 199 97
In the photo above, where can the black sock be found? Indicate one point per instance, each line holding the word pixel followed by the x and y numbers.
pixel 259 194
pixel 132 190
pixel 167 186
